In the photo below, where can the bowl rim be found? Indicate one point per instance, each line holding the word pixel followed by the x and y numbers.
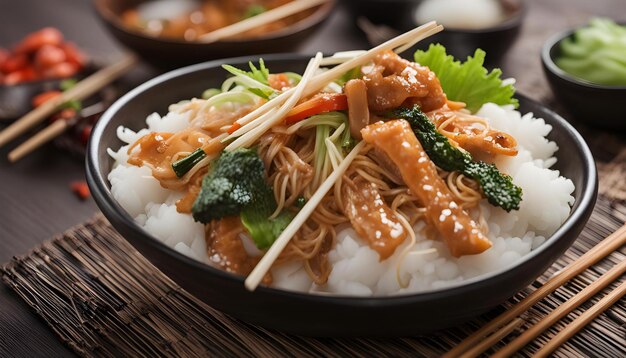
pixel 551 66
pixel 322 12
pixel 102 194
pixel 516 19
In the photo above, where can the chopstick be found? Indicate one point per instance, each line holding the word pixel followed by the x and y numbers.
pixel 601 250
pixel 582 320
pixel 558 313
pixel 81 90
pixel 50 132
pixel 259 20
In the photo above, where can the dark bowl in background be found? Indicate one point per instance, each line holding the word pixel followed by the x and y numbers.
pixel 399 14
pixel 172 53
pixel 319 315
pixel 598 105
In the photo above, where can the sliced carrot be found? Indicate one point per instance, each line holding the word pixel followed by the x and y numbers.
pixel 81 189
pixel 43 97
pixel 326 102
pixel 233 128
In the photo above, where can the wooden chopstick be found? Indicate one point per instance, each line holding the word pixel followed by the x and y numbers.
pixel 50 132
pixel 267 17
pixel 610 276
pixel 81 90
pixel 602 249
pixel 582 320
pixel 493 339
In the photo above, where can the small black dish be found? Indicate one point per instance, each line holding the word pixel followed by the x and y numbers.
pixel 598 105
pixel 495 40
pixel 171 53
pixel 319 315
pixel 16 100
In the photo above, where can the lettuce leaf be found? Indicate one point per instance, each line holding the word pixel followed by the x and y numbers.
pixel 467 82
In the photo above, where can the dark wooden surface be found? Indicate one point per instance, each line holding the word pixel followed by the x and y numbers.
pixel 35 199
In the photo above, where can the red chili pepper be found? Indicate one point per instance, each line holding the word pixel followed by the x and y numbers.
pixel 326 102
pixel 81 189
pixel 43 97
pixel 35 40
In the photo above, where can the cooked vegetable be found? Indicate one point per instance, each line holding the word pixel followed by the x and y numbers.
pixel 254 10
pixel 467 82
pixel 183 165
pixel 237 185
pixel 256 80
pixel 43 97
pixel 596 53
pixel 358 112
pixel 326 102
pixel 497 187
pixel 210 93
pixel 396 138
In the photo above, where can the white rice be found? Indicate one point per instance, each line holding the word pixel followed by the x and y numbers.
pixel 357 269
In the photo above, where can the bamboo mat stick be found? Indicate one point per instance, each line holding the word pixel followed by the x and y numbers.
pixel 602 249
pixel 81 90
pixel 582 320
pixel 610 276
pixel 264 18
pixel 493 339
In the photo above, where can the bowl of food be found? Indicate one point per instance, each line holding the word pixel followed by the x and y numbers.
pixel 585 70
pixel 167 33
pixel 491 25
pixel 378 197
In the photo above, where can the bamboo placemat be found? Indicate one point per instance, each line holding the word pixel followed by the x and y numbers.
pixel 102 298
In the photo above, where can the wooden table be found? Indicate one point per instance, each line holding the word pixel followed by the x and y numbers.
pixel 36 201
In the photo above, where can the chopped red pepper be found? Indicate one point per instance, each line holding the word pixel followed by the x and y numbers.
pixel 43 97
pixel 81 189
pixel 322 103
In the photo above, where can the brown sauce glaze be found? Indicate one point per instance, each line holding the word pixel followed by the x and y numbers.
pixel 371 218
pixel 461 234
pixel 393 82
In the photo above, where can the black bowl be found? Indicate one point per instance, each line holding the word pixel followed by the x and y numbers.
pixel 171 53
pixel 495 40
pixel 315 314
pixel 598 105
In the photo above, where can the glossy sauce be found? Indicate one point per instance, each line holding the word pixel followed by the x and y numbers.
pixel 460 233
pixel 395 82
pixel 472 138
pixel 371 218
pixel 225 249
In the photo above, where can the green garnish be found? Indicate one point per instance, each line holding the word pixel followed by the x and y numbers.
pixel 467 82
pixel 67 84
pixel 72 104
pixel 596 53
pixel 237 185
pixel 300 202
pixel 263 93
pixel 183 165
pixel 210 93
pixel 254 10
pixel 497 187
pixel 350 75
pixel 260 74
